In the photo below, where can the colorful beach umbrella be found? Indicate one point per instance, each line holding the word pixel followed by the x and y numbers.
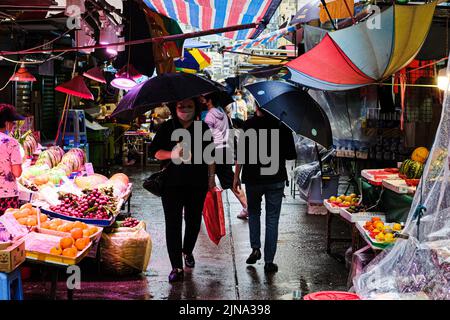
pixel 367 52
pixel 194 60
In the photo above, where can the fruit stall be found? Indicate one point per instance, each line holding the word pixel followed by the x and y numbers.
pixel 376 216
pixel 68 213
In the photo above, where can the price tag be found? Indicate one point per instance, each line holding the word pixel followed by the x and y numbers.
pixel 89 168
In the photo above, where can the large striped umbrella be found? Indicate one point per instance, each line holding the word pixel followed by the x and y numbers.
pixel 194 60
pixel 367 52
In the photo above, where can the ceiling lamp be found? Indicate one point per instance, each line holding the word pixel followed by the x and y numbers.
pixel 75 87
pixel 22 75
pixel 126 78
pixel 442 80
pixel 95 74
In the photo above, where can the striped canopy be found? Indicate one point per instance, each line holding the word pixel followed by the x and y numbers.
pixel 261 40
pixel 213 14
pixel 363 54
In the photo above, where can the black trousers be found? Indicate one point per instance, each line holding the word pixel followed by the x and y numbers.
pixel 174 199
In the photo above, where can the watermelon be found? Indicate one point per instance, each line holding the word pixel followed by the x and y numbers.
pixel 411 169
pixel 404 167
pixel 414 170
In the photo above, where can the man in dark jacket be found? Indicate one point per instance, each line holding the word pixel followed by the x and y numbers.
pixel 264 178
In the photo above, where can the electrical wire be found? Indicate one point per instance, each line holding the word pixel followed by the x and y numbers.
pixel 9 80
pixel 32 62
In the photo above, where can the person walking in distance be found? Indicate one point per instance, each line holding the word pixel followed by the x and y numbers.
pixel 219 124
pixel 259 183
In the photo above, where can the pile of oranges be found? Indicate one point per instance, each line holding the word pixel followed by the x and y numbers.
pixel 28 216
pixel 70 246
pixel 381 232
pixel 66 226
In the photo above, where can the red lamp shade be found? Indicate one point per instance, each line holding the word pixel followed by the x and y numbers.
pixel 75 87
pixel 128 71
pixel 95 74
pixel 22 75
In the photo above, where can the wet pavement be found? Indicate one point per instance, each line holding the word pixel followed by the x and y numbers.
pixel 221 272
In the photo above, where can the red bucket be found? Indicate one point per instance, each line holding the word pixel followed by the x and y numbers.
pixel 332 295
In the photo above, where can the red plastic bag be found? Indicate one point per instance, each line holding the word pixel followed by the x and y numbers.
pixel 213 215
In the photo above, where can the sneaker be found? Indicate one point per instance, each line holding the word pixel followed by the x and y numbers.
pixel 243 214
pixel 176 275
pixel 254 256
pixel 189 260
pixel 270 267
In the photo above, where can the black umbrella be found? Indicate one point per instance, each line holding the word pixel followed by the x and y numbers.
pixel 295 108
pixel 165 88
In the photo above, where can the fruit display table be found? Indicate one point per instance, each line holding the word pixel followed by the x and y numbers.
pixel 333 206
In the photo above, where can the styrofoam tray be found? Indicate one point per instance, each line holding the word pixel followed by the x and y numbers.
pixel 398 186
pixel 376 176
pixel 360 216
pixel 38 245
pixel 330 207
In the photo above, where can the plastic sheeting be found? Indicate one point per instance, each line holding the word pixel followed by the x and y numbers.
pixel 419 267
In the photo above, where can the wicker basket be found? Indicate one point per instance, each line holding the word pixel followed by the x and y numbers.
pixel 125 251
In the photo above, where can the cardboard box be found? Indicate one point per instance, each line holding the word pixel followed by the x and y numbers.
pixel 13 256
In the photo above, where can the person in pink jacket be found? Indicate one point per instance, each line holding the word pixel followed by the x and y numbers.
pixel 10 160
pixel 219 124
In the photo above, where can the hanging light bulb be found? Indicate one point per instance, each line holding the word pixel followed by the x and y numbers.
pixel 442 80
pixel 22 75
pixel 126 78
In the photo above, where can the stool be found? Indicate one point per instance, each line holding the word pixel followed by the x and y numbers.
pixel 11 286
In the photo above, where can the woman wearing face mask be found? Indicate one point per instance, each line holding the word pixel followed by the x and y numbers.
pixel 10 160
pixel 186 184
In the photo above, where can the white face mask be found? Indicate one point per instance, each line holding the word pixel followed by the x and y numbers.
pixel 185 114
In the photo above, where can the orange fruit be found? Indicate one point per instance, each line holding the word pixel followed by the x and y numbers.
pixel 53 226
pixel 84 226
pixel 66 242
pixel 56 251
pixel 79 224
pixel 70 252
pixel 43 217
pixel 92 230
pixel 25 212
pixel 45 225
pixel 70 226
pixel 19 215
pixel 23 221
pixel 31 221
pixel 57 221
pixel 76 233
pixel 86 233
pixel 26 206
pixel 11 210
pixel 81 243
pixel 61 228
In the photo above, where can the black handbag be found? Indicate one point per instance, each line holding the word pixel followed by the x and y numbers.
pixel 155 183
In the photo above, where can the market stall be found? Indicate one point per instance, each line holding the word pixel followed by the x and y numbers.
pixel 65 210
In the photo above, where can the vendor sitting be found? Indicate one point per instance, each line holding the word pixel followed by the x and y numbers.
pixel 10 160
